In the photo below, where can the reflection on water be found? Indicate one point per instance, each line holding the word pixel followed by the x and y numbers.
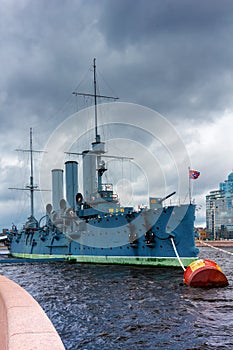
pixel 123 307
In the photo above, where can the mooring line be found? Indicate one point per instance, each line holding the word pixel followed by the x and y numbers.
pixel 216 248
pixel 177 255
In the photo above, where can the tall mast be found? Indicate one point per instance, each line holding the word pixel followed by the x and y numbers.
pixel 97 137
pixel 31 186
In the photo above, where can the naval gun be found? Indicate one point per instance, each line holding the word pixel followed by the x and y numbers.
pixel 156 203
pixel 166 197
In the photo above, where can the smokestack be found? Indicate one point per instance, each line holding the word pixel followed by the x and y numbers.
pixel 71 182
pixel 89 175
pixel 57 188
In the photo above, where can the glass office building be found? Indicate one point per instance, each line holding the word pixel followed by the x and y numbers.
pixel 219 211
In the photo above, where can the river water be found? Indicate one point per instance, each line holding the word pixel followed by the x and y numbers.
pixel 125 307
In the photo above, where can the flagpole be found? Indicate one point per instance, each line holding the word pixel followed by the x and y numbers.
pixel 193 175
pixel 190 195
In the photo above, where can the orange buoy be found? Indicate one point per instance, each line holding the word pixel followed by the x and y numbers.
pixel 204 273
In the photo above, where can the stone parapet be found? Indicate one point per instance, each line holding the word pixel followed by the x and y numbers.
pixel 24 324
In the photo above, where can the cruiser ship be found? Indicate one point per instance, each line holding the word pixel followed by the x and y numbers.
pixel 91 226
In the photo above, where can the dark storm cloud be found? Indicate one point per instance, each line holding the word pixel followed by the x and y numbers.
pixel 173 56
pixel 183 53
pixel 42 54
pixel 131 21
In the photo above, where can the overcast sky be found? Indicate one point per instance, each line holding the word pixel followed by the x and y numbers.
pixel 172 56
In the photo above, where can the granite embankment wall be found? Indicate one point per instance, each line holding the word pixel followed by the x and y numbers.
pixel 24 325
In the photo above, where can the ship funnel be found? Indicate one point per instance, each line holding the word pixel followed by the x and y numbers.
pixel 89 175
pixel 57 188
pixel 71 182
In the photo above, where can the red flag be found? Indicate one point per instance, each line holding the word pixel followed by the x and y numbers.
pixel 194 174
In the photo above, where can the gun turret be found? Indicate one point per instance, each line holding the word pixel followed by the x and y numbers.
pixel 156 203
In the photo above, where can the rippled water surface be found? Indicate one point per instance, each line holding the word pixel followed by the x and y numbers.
pixel 123 307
